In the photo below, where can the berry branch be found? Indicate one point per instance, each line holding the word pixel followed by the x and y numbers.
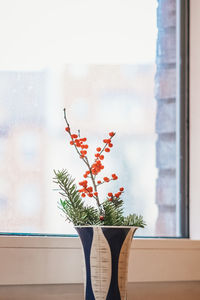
pixel 96 167
pixel 110 211
pixel 82 154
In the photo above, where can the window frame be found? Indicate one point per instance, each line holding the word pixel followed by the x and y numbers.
pixel 182 98
pixel 183 30
pixel 48 260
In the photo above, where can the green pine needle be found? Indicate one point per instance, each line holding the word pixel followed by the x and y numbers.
pixel 78 213
pixel 134 220
pixel 73 205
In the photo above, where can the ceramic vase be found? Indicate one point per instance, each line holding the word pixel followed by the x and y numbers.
pixel 106 252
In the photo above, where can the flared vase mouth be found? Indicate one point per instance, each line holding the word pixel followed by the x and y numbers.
pixel 105 226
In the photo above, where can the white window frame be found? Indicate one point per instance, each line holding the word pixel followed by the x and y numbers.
pixel 56 260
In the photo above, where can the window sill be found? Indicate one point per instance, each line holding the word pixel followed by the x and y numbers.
pixel 55 260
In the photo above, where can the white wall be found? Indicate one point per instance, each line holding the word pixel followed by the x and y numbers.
pixel 195 119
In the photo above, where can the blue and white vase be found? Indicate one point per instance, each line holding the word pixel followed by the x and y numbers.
pixel 106 253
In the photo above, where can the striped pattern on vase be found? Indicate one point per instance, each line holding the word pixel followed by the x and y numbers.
pixel 106 253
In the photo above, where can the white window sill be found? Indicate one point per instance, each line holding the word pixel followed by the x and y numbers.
pixel 55 260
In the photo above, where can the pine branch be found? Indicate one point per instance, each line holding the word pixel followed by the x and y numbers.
pixel 78 213
pixel 113 215
pixel 134 220
pixel 73 205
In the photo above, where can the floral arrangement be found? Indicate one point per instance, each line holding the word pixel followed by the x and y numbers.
pixel 108 212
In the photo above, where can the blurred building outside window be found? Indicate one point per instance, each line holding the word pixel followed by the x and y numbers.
pixel 111 76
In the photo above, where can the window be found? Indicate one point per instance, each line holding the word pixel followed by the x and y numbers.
pixel 114 66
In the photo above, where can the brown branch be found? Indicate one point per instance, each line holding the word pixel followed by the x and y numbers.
pixel 85 159
pixel 104 148
pixel 93 182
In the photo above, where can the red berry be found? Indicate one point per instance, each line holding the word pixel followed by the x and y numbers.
pixel 96 194
pixel 101 157
pixel 101 218
pixel 83 195
pixel 83 183
pixel 99 181
pixel 74 136
pixel 98 149
pixel 83 152
pixel 107 141
pixel 67 129
pixel 111 134
pixel 110 194
pixel 78 144
pixel 107 150
pixel 106 179
pixel 121 189
pixel 110 145
pixel 117 195
pixel 71 143
pixel 114 177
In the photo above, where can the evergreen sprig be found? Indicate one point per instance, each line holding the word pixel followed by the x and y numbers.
pixel 133 219
pixel 113 214
pixel 73 205
pixel 109 212
pixel 79 214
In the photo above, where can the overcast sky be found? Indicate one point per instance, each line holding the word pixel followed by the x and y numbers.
pixel 40 33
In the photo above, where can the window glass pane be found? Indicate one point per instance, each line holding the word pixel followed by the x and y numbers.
pixel 112 64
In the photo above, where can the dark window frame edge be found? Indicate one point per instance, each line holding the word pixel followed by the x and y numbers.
pixel 183 69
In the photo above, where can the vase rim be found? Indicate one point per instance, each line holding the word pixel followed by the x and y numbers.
pixel 105 226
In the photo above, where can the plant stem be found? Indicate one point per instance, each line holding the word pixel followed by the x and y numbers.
pixel 86 161
pixel 65 117
pixel 71 135
pixel 93 182
pixel 103 148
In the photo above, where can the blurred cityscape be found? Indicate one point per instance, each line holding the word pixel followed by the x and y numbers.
pixel 99 99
